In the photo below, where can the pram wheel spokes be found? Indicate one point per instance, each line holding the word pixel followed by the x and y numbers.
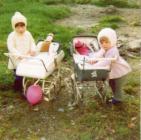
pixel 53 88
pixel 101 89
pixel 76 95
pixel 80 95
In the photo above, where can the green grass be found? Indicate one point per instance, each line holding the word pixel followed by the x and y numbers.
pixel 117 3
pixel 6 76
pixel 95 121
pixel 103 122
pixel 36 13
pixel 113 21
pixel 103 3
pixel 41 21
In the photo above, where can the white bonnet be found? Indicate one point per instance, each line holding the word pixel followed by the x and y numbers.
pixel 110 34
pixel 18 17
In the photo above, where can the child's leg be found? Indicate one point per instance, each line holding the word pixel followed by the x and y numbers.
pixel 18 82
pixel 116 86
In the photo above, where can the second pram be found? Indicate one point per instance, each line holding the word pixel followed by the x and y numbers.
pixel 81 49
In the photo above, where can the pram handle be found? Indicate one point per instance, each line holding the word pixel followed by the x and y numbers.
pixel 101 59
pixel 9 56
pixel 87 59
pixel 26 57
pixel 16 55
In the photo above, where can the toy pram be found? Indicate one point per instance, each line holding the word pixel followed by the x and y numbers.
pixel 85 72
pixel 39 68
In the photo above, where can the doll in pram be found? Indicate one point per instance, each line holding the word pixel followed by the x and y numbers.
pixel 39 68
pixel 82 48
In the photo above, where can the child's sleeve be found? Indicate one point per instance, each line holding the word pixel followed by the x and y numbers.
pixel 113 54
pixel 11 45
pixel 32 43
pixel 97 54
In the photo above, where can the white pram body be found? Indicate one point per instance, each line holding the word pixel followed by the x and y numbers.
pixel 40 67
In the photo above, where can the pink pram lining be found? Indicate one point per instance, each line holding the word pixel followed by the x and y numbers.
pixel 82 48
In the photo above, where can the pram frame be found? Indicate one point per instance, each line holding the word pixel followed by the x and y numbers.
pixel 52 84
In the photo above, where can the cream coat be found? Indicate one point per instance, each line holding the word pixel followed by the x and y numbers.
pixel 20 45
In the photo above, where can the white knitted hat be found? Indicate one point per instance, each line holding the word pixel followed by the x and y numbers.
pixel 16 18
pixel 110 34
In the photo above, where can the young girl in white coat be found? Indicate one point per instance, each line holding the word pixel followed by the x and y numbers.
pixel 19 42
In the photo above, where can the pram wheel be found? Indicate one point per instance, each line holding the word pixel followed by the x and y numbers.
pixel 101 90
pixel 81 91
pixel 76 96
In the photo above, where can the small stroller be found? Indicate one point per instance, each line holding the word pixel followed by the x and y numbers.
pixel 37 70
pixel 87 78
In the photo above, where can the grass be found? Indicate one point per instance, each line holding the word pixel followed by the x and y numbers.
pixel 103 3
pixel 113 21
pixel 19 120
pixel 41 21
pixel 117 3
pixel 6 76
pixel 36 14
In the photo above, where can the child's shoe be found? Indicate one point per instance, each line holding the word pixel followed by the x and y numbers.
pixel 113 101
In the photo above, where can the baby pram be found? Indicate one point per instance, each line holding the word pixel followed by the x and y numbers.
pixel 39 68
pixel 85 72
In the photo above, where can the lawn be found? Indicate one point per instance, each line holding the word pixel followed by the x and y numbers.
pixel 53 120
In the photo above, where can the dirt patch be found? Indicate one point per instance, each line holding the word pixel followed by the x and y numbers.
pixel 86 16
pixel 83 16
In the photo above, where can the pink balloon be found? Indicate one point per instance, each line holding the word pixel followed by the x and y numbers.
pixel 34 94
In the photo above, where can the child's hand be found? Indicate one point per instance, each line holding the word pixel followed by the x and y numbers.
pixel 20 57
pixel 32 53
pixel 91 62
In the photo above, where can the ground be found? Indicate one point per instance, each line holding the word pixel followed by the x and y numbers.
pixel 96 121
pixel 86 16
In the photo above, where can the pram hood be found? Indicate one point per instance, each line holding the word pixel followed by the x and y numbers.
pixel 84 44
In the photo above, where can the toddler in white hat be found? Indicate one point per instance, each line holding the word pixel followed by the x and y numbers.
pixel 119 68
pixel 19 42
